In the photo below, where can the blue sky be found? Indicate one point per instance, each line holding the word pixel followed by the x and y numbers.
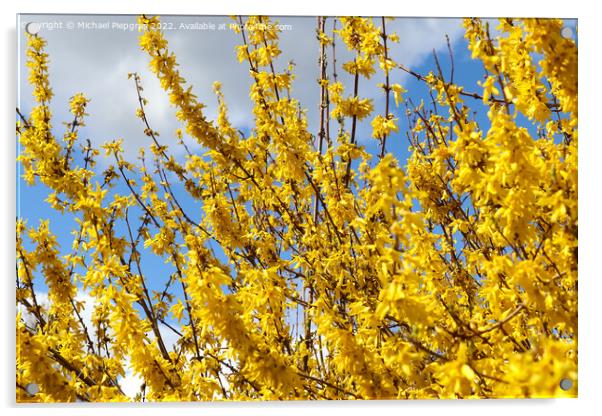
pixel 97 61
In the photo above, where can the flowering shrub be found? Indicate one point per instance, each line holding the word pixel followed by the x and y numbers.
pixel 340 274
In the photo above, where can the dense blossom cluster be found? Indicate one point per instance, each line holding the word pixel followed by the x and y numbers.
pixel 340 274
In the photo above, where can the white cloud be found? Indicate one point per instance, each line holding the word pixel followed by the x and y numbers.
pixel 27 317
pixel 97 62
pixel 131 383
pixel 44 303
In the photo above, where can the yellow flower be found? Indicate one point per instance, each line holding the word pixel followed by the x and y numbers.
pixel 383 126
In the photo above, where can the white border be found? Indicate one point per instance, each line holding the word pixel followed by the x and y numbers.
pixel 590 207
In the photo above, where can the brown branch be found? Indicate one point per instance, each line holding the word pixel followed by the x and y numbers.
pixel 497 325
pixel 383 143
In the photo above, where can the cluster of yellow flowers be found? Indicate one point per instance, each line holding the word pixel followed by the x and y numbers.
pixel 454 276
